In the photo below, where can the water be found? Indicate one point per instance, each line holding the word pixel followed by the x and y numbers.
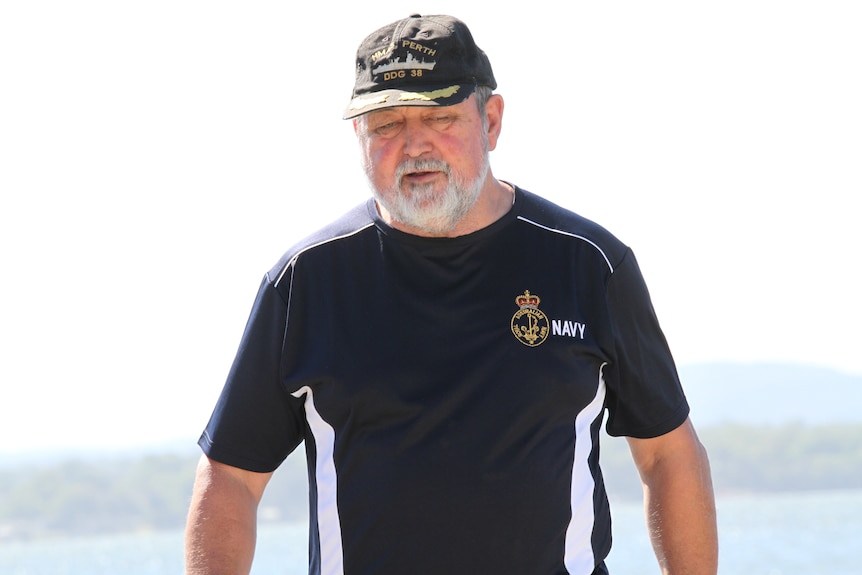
pixel 782 534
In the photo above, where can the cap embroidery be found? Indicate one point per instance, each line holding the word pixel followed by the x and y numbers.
pixel 361 102
pixel 383 53
pixel 429 96
pixel 409 63
pixel 364 101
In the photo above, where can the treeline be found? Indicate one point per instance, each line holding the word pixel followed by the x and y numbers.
pixel 110 495
pixel 95 496
pixel 152 492
pixel 748 458
pixel 785 458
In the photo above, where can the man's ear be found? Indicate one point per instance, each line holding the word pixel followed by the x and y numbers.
pixel 494 112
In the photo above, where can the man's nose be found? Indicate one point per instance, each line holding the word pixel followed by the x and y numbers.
pixel 417 139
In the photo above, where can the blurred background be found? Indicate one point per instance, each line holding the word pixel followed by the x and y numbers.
pixel 157 158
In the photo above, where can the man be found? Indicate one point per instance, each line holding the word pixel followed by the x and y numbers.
pixel 447 352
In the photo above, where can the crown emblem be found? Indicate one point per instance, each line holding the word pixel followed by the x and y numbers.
pixel 529 325
pixel 527 300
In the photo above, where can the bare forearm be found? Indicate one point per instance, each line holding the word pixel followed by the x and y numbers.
pixel 222 525
pixel 217 544
pixel 680 506
pixel 681 520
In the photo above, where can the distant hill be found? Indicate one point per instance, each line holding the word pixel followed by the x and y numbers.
pixel 771 394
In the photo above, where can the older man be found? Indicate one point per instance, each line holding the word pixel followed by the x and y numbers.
pixel 447 351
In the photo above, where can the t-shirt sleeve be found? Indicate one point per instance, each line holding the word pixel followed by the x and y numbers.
pixel 645 398
pixel 256 423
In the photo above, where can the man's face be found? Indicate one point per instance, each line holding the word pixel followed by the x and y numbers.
pixel 426 166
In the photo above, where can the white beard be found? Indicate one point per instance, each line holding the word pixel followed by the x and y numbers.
pixel 420 206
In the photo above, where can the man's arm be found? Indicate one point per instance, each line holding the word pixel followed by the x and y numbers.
pixel 222 525
pixel 679 501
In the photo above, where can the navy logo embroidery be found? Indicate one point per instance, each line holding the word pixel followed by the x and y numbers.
pixel 530 324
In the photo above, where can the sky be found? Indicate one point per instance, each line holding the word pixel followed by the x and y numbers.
pixel 156 158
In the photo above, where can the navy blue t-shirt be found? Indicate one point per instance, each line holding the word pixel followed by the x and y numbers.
pixel 450 391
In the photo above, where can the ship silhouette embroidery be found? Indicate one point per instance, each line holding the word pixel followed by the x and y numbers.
pixel 410 63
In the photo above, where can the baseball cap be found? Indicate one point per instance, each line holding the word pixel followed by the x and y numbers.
pixel 418 61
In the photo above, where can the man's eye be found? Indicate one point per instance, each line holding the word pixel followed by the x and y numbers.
pixel 389 129
pixel 439 122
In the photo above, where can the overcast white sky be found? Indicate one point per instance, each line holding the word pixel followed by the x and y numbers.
pixel 157 157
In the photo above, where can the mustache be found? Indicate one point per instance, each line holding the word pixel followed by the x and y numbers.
pixel 419 165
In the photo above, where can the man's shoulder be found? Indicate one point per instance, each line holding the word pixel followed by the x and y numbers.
pixel 350 224
pixel 554 218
